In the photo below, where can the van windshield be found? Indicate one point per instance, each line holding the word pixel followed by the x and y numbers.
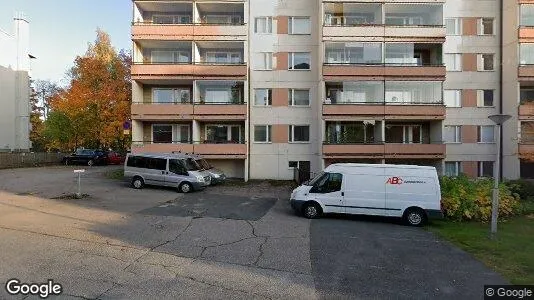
pixel 315 179
pixel 191 165
pixel 204 164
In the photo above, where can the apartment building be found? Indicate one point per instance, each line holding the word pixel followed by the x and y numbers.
pixel 261 87
pixel 15 87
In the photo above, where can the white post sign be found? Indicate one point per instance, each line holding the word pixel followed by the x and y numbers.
pixel 79 172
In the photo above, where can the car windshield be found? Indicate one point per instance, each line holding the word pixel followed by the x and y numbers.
pixel 204 164
pixel 191 165
pixel 315 179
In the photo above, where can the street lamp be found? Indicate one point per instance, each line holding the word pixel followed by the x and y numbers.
pixel 498 120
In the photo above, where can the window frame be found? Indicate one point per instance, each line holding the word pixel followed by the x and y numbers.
pixel 457 134
pixel 268 25
pixel 457 26
pixel 479 134
pixel 480 26
pixel 480 168
pixel 457 62
pixel 458 93
pixel 291 134
pixel 291 22
pixel 481 98
pixel 481 62
pixel 268 134
pixel 292 97
pixel 265 59
pixel 176 95
pixel 291 61
pixel 229 127
pixel 457 167
pixel 269 101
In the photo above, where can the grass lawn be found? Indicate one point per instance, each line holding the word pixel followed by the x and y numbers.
pixel 511 254
pixel 115 174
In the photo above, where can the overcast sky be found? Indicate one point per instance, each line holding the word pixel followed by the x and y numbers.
pixel 61 29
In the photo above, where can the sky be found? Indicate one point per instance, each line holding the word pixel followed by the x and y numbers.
pixel 60 30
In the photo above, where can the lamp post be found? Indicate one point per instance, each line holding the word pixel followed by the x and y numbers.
pixel 498 120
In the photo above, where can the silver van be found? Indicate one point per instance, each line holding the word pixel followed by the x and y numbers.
pixel 217 176
pixel 173 170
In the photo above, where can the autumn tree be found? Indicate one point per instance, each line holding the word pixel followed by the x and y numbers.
pixel 41 92
pixel 97 101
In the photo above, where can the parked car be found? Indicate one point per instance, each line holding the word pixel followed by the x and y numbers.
pixel 173 170
pixel 409 192
pixel 217 176
pixel 115 158
pixel 88 157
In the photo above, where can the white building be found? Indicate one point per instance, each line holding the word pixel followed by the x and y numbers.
pixel 15 87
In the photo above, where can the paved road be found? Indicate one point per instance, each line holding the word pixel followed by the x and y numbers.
pixel 230 241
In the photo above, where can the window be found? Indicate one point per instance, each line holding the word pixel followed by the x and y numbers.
pixel 299 133
pixel 299 25
pixel 353 53
pixel 485 169
pixel 263 97
pixel 328 183
pixel 162 134
pixel 452 168
pixel 170 57
pixel 298 164
pixel 136 162
pixel 485 62
pixel 453 134
pixel 452 98
pixel 263 25
pixel 176 166
pixel 262 133
pixel 299 61
pixel 404 134
pixel 178 95
pixel 263 61
pixel 485 26
pixel 223 57
pixel 156 163
pixel 453 26
pixel 221 95
pixel 526 53
pixel 453 62
pixel 485 98
pixel 171 19
pixel 299 97
pixel 486 134
pixel 221 134
pixel 166 133
pixel 527 14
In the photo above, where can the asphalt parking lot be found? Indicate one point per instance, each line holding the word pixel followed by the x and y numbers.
pixel 229 241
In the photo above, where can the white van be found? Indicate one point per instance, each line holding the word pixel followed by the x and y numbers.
pixel 410 192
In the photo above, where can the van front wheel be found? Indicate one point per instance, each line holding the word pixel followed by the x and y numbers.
pixel 415 217
pixel 311 210
pixel 186 187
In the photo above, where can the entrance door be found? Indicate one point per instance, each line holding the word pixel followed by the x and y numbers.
pixel 304 171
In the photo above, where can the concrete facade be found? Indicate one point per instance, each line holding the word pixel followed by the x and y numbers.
pixel 15 88
pixel 387 81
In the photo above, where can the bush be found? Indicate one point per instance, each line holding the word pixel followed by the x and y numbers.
pixel 524 188
pixel 466 199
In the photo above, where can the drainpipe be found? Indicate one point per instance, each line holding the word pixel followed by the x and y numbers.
pixel 501 44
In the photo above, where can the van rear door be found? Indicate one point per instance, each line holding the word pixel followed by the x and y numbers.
pixel 409 187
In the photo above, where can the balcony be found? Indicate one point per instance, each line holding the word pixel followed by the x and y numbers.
pixel 164 60
pixel 357 59
pixel 409 21
pixel 526 103
pixel 391 99
pixel 162 111
pixel 208 151
pixel 188 21
pixel 387 151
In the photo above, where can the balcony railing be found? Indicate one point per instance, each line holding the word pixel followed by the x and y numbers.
pixel 384 25
pixel 189 23
pixel 384 64
pixel 233 102
pixel 378 103
pixel 200 63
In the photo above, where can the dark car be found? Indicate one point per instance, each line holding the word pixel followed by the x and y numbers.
pixel 88 157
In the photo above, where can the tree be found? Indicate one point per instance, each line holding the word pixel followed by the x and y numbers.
pixel 97 101
pixel 41 91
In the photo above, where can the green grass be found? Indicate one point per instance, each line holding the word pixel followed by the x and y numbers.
pixel 115 174
pixel 511 254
